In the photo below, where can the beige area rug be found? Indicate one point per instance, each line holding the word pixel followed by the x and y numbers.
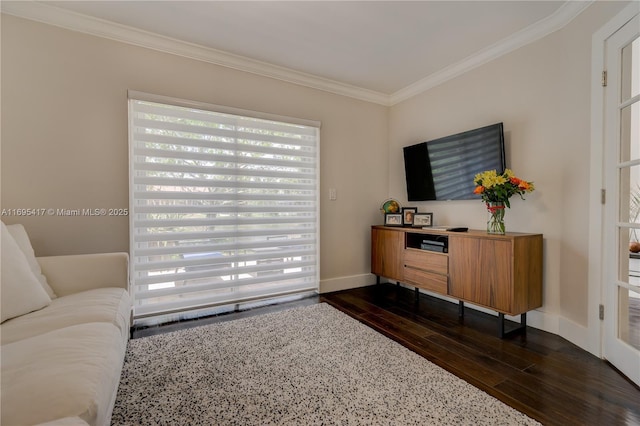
pixel 306 366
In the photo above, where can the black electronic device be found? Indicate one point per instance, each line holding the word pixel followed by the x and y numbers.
pixel 430 247
pixel 437 243
pixel 458 229
pixel 444 168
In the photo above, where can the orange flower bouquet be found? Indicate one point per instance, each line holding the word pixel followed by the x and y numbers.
pixel 495 190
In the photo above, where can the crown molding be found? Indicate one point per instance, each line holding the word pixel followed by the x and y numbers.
pixel 51 15
pixel 48 14
pixel 563 16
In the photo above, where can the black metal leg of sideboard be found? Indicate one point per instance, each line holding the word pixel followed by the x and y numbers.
pixel 460 309
pixel 377 279
pixel 521 328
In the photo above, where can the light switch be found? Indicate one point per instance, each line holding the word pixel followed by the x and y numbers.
pixel 333 194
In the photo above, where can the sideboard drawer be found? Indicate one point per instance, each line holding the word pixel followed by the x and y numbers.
pixel 426 280
pixel 427 261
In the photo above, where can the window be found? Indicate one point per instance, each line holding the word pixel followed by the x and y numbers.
pixel 224 205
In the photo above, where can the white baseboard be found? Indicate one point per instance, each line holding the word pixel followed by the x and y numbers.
pixel 577 334
pixel 569 330
pixel 346 283
pixel 545 321
pixel 551 323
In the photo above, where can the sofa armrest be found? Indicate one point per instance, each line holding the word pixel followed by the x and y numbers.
pixel 74 273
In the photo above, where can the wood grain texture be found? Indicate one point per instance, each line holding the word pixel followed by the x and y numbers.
pixel 540 374
pixel 426 280
pixel 481 271
pixel 387 253
pixel 426 260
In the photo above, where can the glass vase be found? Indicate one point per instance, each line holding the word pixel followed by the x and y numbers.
pixel 495 224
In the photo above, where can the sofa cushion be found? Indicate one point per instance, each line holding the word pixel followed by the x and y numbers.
pixel 71 372
pixel 21 291
pixel 110 305
pixel 21 238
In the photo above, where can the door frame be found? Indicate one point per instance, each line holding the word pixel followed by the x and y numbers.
pixel 596 280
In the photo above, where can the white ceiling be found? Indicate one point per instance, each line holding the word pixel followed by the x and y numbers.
pixel 383 48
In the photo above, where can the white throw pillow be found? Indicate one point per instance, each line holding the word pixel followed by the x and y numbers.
pixel 22 239
pixel 20 290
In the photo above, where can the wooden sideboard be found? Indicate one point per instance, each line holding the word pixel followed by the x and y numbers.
pixel 499 272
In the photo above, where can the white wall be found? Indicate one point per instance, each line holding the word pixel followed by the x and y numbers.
pixel 64 144
pixel 542 94
pixel 64 139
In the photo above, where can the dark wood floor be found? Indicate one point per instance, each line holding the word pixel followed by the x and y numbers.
pixel 540 374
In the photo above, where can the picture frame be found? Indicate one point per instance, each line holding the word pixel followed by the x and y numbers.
pixel 422 219
pixel 408 214
pixel 393 219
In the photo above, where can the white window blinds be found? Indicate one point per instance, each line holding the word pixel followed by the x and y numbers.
pixel 224 205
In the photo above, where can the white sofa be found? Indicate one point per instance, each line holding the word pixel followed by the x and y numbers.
pixel 65 327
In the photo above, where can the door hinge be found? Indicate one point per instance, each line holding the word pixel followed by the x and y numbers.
pixel 601 312
pixel 603 196
pixel 604 78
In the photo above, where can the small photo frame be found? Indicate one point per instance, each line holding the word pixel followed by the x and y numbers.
pixel 422 219
pixel 393 219
pixel 407 215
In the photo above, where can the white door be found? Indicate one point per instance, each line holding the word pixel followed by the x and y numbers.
pixel 621 343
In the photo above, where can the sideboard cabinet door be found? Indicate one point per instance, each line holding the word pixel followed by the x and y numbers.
pixel 387 253
pixel 481 271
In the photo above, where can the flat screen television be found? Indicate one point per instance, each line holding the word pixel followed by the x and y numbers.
pixel 444 168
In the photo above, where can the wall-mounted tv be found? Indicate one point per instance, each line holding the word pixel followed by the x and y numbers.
pixel 444 168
